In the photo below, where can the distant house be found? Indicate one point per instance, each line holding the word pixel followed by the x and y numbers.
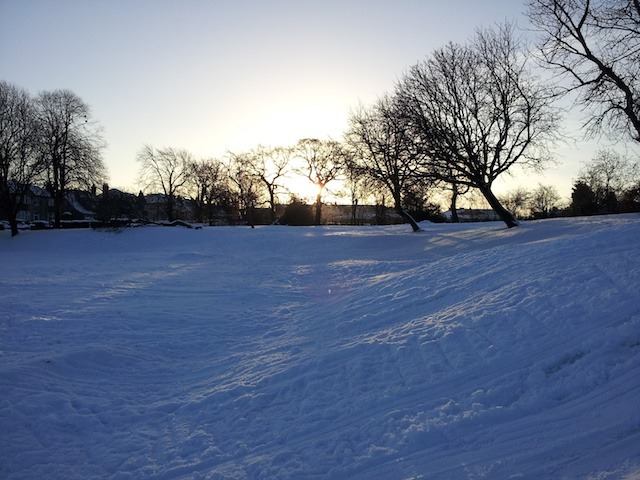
pixel 333 214
pixel 473 215
pixel 156 207
pixel 36 206
pixel 79 205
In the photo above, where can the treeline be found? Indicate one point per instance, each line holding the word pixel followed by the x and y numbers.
pixel 240 181
pixel 609 183
pixel 246 182
pixel 455 122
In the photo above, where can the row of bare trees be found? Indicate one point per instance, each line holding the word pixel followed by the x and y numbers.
pixel 50 140
pixel 457 120
pixel 467 114
pixel 241 181
pixel 609 183
pixel 460 118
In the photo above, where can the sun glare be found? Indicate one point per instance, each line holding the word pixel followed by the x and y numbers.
pixel 284 127
pixel 301 187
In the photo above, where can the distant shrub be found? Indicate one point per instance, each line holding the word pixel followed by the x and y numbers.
pixel 297 213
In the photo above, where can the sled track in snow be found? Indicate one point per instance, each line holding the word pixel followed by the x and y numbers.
pixel 508 443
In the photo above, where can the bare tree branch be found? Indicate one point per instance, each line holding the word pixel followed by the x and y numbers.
pixel 20 163
pixel 166 169
pixel 595 45
pixel 71 145
pixel 323 162
pixel 475 111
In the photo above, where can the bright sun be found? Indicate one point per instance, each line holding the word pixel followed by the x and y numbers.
pixel 284 126
pixel 301 187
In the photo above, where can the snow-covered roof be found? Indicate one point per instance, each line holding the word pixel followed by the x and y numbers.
pixel 75 203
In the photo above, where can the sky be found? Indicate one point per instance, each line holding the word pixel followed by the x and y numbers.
pixel 218 76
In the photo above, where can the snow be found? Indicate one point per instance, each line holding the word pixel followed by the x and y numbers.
pixel 465 351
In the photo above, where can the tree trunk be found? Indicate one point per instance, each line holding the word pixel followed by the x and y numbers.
pixel 504 214
pixel 454 205
pixel 170 207
pixel 354 212
pixel 13 223
pixel 272 204
pixel 57 210
pixel 404 214
pixel 250 216
pixel 318 208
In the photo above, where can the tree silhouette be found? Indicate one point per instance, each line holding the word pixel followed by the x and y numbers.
pixel 323 162
pixel 19 163
pixel 385 152
pixel 476 111
pixel 70 145
pixel 166 169
pixel 595 45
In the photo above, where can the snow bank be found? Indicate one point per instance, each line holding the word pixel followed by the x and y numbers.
pixel 464 351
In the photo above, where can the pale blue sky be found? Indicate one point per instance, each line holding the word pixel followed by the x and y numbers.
pixel 212 76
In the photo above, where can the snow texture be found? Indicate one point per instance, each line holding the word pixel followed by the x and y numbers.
pixel 460 352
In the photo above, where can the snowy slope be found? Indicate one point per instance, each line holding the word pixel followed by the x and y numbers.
pixel 464 351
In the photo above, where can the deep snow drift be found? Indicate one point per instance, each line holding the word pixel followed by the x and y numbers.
pixel 464 351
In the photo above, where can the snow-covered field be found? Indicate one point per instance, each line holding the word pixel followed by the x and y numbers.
pixel 460 352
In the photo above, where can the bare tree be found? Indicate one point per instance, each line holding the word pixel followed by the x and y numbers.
pixel 19 162
pixel 385 152
pixel 208 178
pixel 323 162
pixel 544 199
pixel 609 171
pixel 357 185
pixel 476 111
pixel 595 45
pixel 70 144
pixel 247 184
pixel 457 189
pixel 165 169
pixel 517 201
pixel 270 166
pixel 608 176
